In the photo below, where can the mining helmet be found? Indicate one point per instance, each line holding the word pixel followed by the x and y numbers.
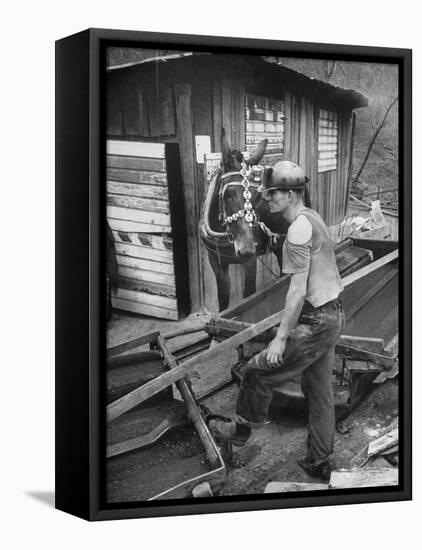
pixel 283 175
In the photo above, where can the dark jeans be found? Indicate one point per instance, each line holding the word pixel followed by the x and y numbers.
pixel 310 352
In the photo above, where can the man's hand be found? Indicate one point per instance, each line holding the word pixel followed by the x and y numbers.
pixel 275 352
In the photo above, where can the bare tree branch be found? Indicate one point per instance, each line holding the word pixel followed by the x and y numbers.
pixel 373 139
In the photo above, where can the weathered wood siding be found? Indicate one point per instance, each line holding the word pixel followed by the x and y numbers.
pixel 138 212
pixel 327 189
pixel 174 102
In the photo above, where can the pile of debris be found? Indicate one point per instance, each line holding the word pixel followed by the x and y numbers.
pixel 375 465
pixel 373 226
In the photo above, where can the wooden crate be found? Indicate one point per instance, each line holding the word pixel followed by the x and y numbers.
pixel 144 195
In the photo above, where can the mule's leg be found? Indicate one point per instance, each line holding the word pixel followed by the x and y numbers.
pixel 221 272
pixel 250 277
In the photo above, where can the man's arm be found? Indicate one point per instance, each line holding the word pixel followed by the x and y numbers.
pixel 294 302
pixel 298 260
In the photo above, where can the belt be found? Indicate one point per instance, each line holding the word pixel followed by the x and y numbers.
pixel 337 302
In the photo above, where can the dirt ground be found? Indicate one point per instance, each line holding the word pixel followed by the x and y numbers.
pixel 272 451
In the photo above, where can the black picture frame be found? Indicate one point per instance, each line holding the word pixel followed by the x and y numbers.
pixel 80 261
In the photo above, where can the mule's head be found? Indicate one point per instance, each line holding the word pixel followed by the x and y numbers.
pixel 241 230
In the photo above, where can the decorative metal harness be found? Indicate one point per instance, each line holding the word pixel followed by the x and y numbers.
pixel 248 210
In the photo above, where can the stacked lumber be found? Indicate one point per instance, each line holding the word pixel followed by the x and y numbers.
pixel 138 212
pixel 371 477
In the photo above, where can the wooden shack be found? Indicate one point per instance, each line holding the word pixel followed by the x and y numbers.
pixel 187 99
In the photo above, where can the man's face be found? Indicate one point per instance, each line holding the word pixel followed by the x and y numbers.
pixel 277 200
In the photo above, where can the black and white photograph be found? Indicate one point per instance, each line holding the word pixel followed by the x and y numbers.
pixel 252 274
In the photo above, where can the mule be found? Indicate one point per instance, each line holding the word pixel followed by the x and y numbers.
pixel 236 225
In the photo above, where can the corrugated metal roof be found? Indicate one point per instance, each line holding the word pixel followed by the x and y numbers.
pixel 157 59
pixel 348 95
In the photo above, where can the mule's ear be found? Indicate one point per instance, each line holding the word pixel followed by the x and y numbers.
pixel 225 147
pixel 267 174
pixel 258 153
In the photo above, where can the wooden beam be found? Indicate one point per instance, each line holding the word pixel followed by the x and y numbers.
pixel 150 338
pixel 371 292
pixel 353 347
pixel 187 328
pixel 390 439
pixel 363 342
pixel 115 449
pixel 373 266
pixel 149 389
pixel 187 155
pixel 293 487
pixel 193 410
pixel 358 354
pixel 351 479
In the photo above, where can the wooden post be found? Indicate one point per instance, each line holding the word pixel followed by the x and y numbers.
pixel 350 167
pixel 192 407
pixel 187 154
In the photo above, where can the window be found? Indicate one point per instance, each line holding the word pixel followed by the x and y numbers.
pixel 264 119
pixel 327 140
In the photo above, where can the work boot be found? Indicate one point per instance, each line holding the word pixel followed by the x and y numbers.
pixel 322 470
pixel 230 431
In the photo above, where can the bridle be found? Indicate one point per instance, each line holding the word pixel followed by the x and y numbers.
pixel 248 210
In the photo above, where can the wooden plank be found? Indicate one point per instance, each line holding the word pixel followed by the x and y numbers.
pixel 143 114
pixel 302 132
pixel 147 299
pixel 349 479
pixel 349 279
pixel 359 354
pixel 226 112
pixel 167 112
pixel 153 107
pixel 227 327
pixel 137 227
pixel 149 389
pixel 136 163
pixel 137 176
pixel 287 123
pixel 371 344
pixel 137 190
pixel 150 205
pixel 388 440
pixel 187 155
pixel 148 286
pixel 135 149
pixel 217 119
pixel 362 366
pixel 146 275
pixel 131 359
pixel 153 218
pixel 145 440
pixel 150 338
pixel 144 309
pixel 144 252
pixel 370 293
pixel 293 487
pixel 193 410
pixel 157 242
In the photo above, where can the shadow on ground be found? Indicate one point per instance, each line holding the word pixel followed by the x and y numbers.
pixel 45 497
